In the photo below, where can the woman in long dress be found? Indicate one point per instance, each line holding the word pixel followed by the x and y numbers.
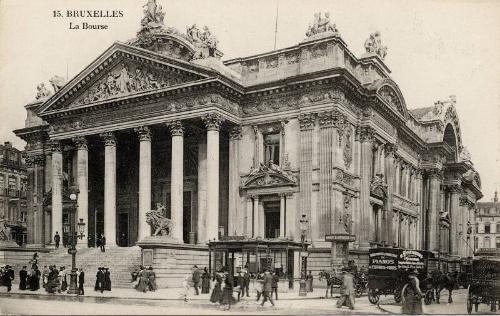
pixel 143 284
pixel 216 295
pixel 227 292
pixel 205 282
pixel 412 296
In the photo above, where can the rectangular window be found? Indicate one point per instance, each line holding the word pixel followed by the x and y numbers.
pixel 272 148
pixel 487 228
pixel 24 217
pixel 497 241
pixel 487 243
pixel 2 181
pixel 12 183
pixel 498 228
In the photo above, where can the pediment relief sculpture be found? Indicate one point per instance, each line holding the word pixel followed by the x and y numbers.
pixel 389 95
pixel 128 78
pixel 268 175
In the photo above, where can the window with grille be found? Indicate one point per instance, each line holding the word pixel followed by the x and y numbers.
pixel 272 148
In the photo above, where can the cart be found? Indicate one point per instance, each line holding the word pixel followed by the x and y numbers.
pixel 484 287
pixel 388 272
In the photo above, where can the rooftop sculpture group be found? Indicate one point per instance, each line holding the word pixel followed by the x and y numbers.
pixel 321 25
pixel 373 45
pixel 202 40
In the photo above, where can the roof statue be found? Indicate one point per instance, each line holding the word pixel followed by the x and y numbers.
pixel 321 25
pixel 205 42
pixel 465 154
pixel 42 91
pixel 153 15
pixel 373 45
pixel 57 82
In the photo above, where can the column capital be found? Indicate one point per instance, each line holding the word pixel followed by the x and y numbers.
pixel 80 142
pixel 143 133
pixel 365 133
pixel 307 121
pixel 282 126
pixel 435 173
pixel 108 138
pixel 282 195
pixel 212 121
pixel 55 146
pixel 331 119
pixel 390 149
pixel 29 161
pixel 235 133
pixel 39 159
pixel 456 188
pixel 176 128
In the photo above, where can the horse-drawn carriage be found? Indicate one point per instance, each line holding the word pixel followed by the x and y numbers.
pixel 388 272
pixel 484 287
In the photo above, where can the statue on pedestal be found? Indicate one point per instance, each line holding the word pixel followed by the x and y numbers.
pixel 158 221
pixel 373 45
pixel 42 91
pixel 321 25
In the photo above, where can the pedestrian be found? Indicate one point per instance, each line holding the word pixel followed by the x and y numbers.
pixel 57 239
pixel 196 279
pixel 216 295
pixel 412 295
pixel 102 279
pixel 63 279
pixel 267 287
pixel 205 281
pixel 107 279
pixel 81 282
pixel 309 282
pixel 347 291
pixel 98 241
pixel 34 281
pixel 8 277
pixel 259 285
pixel 274 285
pixel 185 288
pixel 98 278
pixel 143 284
pixel 103 243
pixel 227 292
pixel 246 279
pixel 152 279
pixel 45 276
pixel 240 281
pixel 23 278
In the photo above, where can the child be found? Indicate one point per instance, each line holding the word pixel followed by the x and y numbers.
pixel 185 288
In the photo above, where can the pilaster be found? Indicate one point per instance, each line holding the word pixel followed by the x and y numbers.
pixel 235 226
pixel 57 187
pixel 366 134
pixel 177 179
pixel 144 135
pixel 307 122
pixel 83 182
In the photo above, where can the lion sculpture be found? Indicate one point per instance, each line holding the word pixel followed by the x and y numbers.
pixel 159 222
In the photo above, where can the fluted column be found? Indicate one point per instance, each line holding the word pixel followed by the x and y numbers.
pixel 202 189
pixel 282 214
pixel 433 213
pixel 212 122
pixel 234 221
pixel 306 122
pixel 57 183
pixel 326 145
pixel 144 134
pixel 82 175
pixel 256 220
pixel 454 218
pixel 109 188
pixel 366 137
pixel 177 179
pixel 390 173
pixel 249 217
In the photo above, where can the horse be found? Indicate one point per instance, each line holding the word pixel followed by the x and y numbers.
pixel 331 280
pixel 442 281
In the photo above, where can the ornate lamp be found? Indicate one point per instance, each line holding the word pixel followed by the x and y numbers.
pixel 303 271
pixel 73 289
pixel 81 228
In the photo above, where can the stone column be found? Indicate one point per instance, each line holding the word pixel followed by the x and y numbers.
pixel 327 144
pixel 256 220
pixel 82 175
pixel 235 226
pixel 290 216
pixel 202 189
pixel 109 188
pixel 282 214
pixel 57 187
pixel 306 122
pixel 177 179
pixel 454 218
pixel 366 138
pixel 390 173
pixel 144 134
pixel 31 193
pixel 39 162
pixel 249 218
pixel 212 122
pixel 433 213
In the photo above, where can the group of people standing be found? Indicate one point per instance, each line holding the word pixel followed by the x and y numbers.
pixel 6 277
pixel 102 280
pixel 144 279
pixel 29 279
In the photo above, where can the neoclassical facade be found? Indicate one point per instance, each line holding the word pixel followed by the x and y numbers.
pixel 247 146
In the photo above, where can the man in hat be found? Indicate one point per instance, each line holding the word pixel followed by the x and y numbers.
pixel 412 295
pixel 347 291
pixel 8 276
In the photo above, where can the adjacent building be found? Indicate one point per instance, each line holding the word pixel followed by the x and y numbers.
pixel 487 228
pixel 13 189
pixel 244 148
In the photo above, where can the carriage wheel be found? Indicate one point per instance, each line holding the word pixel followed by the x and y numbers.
pixel 373 296
pixel 359 290
pixel 469 301
pixel 428 297
pixel 397 295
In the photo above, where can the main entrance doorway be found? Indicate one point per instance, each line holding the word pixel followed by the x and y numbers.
pixel 271 219
pixel 123 229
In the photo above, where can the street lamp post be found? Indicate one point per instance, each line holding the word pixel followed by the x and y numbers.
pixel 303 269
pixel 73 288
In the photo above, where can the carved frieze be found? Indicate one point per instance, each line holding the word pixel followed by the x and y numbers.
pixel 347 147
pixel 401 202
pixel 344 178
pixel 268 175
pixel 271 104
pixel 389 95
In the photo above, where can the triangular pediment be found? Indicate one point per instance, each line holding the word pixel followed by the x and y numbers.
pixel 121 71
pixel 268 175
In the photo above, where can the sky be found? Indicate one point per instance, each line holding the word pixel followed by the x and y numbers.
pixel 435 49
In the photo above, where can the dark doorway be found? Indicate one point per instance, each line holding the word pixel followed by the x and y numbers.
pixel 123 231
pixel 186 216
pixel 271 219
